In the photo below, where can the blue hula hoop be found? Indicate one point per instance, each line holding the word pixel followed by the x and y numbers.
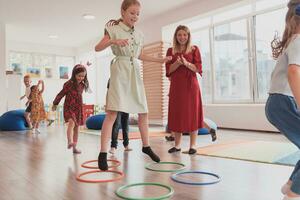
pixel 174 178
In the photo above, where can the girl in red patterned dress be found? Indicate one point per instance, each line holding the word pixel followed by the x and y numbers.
pixel 73 89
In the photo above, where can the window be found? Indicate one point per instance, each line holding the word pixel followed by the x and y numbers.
pixel 265 27
pixel 231 62
pixel 201 39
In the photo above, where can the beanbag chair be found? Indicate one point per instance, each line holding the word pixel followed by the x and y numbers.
pixel 95 122
pixel 13 121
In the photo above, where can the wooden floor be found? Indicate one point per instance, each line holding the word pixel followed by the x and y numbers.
pixel 40 167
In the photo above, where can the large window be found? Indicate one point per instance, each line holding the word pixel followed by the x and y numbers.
pixel 235 43
pixel 265 27
pixel 231 62
pixel 201 39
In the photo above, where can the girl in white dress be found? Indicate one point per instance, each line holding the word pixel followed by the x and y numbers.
pixel 126 92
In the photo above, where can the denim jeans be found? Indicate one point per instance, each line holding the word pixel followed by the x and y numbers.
pixel 283 113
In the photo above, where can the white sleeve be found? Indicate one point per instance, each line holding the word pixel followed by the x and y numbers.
pixel 293 52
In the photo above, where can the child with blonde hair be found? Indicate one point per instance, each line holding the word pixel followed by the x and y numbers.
pixel 126 92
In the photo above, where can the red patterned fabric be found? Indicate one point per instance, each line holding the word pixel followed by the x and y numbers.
pixel 185 104
pixel 73 101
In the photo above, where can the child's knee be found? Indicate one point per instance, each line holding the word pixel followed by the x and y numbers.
pixel 111 116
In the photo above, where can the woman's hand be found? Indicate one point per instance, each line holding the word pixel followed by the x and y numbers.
pixel 185 62
pixel 179 61
pixel 167 59
pixel 120 42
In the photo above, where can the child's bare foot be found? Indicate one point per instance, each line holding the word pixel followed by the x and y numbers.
pixel 127 148
pixel 70 145
pixel 112 150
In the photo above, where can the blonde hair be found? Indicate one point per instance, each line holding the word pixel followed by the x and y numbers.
pixel 176 45
pixel 292 21
pixel 125 5
pixel 26 76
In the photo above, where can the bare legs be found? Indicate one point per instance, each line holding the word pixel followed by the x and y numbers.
pixel 72 136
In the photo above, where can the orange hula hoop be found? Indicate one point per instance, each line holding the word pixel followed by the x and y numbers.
pixel 84 165
pixel 78 178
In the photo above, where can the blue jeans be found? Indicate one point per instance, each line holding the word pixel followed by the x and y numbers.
pixel 283 113
pixel 123 121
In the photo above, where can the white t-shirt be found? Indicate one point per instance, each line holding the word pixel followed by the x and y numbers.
pixel 27 91
pixel 279 78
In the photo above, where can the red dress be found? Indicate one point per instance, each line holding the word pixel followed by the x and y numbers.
pixel 185 104
pixel 73 101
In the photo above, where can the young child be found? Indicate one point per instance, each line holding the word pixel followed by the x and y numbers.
pixel 282 107
pixel 27 83
pixel 37 113
pixel 73 90
pixel 123 121
pixel 126 92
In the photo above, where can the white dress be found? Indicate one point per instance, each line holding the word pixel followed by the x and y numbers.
pixel 126 91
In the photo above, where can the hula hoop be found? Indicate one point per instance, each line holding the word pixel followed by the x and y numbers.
pixel 85 164
pixel 79 176
pixel 119 191
pixel 149 167
pixel 174 178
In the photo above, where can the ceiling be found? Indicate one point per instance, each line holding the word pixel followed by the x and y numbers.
pixel 34 20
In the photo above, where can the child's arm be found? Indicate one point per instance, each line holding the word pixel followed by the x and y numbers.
pixel 61 94
pixel 144 57
pixel 22 97
pixel 43 86
pixel 106 42
pixel 294 81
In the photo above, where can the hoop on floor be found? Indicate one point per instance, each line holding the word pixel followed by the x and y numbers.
pixel 79 176
pixel 174 177
pixel 119 191
pixel 85 164
pixel 149 166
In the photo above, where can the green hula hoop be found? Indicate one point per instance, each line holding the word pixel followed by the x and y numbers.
pixel 119 191
pixel 149 167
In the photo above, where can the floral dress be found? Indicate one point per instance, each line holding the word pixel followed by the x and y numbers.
pixel 73 101
pixel 37 113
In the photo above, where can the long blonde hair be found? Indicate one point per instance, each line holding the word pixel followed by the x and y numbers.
pixel 176 45
pixel 292 21
pixel 125 5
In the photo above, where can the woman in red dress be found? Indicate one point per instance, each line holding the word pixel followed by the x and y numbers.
pixel 185 104
pixel 73 90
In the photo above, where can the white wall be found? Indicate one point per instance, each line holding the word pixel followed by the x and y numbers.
pixel 3 101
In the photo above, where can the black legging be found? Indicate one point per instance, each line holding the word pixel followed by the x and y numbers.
pixel 121 120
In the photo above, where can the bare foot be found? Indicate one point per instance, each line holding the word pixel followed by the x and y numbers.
pixel 70 145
